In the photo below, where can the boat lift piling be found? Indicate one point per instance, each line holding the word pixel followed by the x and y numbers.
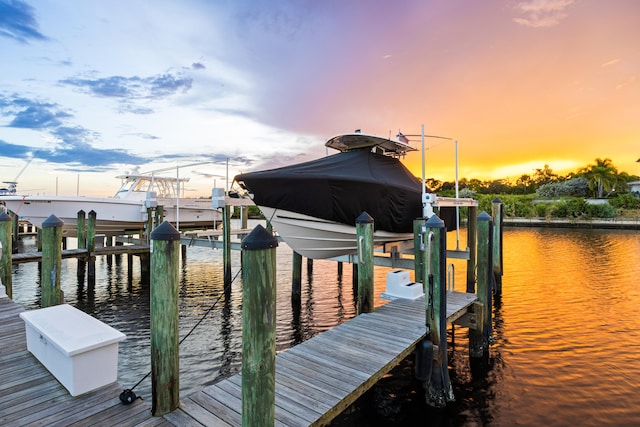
pixel 497 214
pixel 364 233
pixel 51 294
pixel 165 372
pixel 6 242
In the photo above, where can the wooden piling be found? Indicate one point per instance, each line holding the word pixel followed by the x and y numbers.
pixel 419 250
pixel 497 214
pixel 472 242
pixel 479 337
pixel 7 250
pixel 14 235
pixel 91 248
pixel 438 390
pixel 82 241
pixel 244 215
pixel 165 241
pixel 226 246
pixel 259 328
pixel 296 276
pixel 148 226
pixel 82 229
pixel 364 236
pixel 159 216
pixel 51 262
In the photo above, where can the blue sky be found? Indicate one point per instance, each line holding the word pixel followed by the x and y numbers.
pixel 89 90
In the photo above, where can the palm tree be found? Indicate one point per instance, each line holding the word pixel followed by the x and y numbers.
pixel 602 176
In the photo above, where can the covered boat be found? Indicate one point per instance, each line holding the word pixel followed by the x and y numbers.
pixel 314 205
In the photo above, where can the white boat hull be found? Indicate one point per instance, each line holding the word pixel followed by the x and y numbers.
pixel 316 238
pixel 113 216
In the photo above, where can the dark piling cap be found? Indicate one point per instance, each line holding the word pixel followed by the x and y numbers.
pixel 165 231
pixel 484 216
pixel 435 222
pixel 259 238
pixel 364 218
pixel 496 200
pixel 52 221
pixel 4 217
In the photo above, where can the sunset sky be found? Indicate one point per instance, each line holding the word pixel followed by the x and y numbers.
pixel 88 90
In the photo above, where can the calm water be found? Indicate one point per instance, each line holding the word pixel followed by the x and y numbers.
pixel 567 330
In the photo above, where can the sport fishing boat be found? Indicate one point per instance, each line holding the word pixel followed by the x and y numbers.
pixel 314 205
pixel 125 212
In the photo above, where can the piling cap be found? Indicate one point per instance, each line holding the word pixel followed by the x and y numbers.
pixel 484 216
pixel 52 221
pixel 364 218
pixel 165 231
pixel 4 217
pixel 435 222
pixel 259 238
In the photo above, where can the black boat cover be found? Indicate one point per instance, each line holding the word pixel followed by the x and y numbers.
pixel 342 186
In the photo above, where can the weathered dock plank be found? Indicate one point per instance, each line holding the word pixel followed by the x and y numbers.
pixel 319 378
pixel 31 396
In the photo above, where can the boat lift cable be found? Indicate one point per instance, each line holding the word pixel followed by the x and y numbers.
pixel 128 396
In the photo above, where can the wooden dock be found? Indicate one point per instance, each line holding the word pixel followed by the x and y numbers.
pixel 83 253
pixel 30 395
pixel 315 380
pixel 319 378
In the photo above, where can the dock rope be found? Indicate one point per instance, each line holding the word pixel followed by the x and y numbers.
pixel 128 396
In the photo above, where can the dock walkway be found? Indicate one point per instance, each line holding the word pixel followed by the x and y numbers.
pixel 30 395
pixel 83 253
pixel 319 378
pixel 315 380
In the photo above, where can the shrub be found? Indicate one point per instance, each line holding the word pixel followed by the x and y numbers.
pixel 541 209
pixel 625 201
pixel 603 210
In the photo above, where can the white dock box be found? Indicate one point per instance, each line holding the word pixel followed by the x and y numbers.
pixel 399 285
pixel 79 350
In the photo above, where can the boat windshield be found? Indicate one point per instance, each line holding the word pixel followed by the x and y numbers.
pixel 164 187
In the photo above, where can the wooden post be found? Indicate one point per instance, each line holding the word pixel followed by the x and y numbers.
pixel 419 249
pixel 340 267
pixel 7 249
pixel 309 267
pixel 165 242
pixel 14 234
pixel 159 215
pixel 438 391
pixel 259 328
pixel 226 246
pixel 479 338
pixel 244 213
pixel 51 261
pixel 296 276
pixel 364 234
pixel 148 227
pixel 497 214
pixel 472 242
pixel 82 242
pixel 91 248
pixel 82 229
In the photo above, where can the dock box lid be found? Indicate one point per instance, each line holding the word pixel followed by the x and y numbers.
pixel 70 329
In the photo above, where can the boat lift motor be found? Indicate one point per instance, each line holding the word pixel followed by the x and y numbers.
pixel 218 198
pixel 152 200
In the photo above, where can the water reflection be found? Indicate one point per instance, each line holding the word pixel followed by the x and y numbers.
pixel 566 332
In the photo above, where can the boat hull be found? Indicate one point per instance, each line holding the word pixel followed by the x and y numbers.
pixel 113 216
pixel 317 238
